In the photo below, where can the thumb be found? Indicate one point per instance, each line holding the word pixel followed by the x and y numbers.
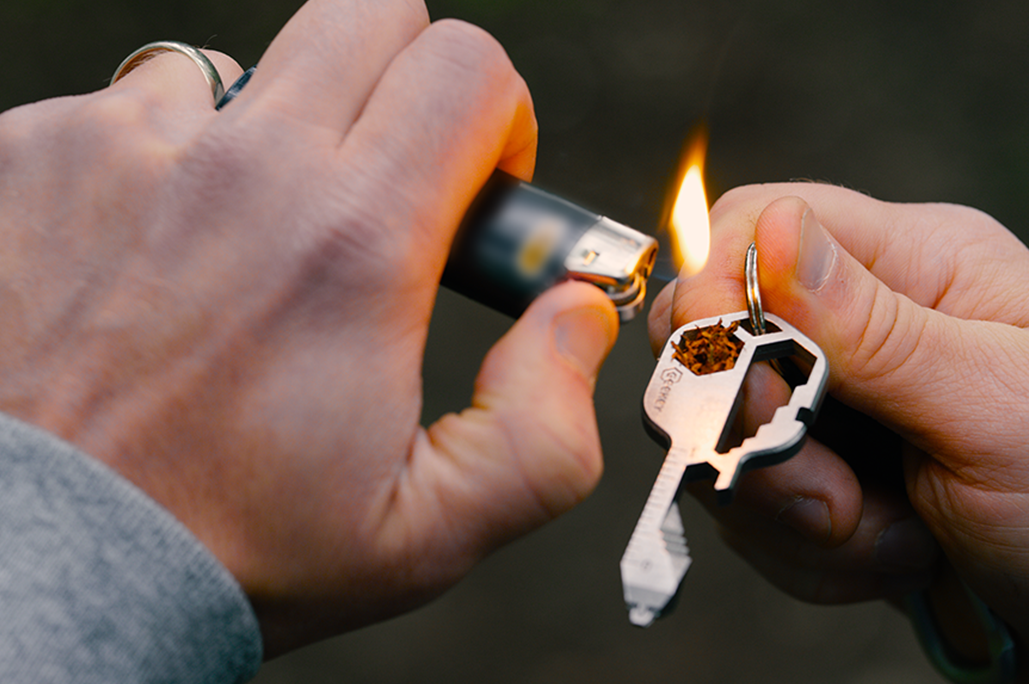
pixel 528 448
pixel 927 375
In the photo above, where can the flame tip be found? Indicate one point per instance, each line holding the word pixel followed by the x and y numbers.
pixel 689 223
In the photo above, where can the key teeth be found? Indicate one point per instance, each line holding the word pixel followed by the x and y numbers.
pixel 773 432
pixel 677 546
pixel 674 532
pixel 725 481
pixel 653 568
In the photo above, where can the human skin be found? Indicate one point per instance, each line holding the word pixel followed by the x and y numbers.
pixel 230 310
pixel 922 314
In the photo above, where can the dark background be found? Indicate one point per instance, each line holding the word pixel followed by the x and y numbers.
pixel 907 101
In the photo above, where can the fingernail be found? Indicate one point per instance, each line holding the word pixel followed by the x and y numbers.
pixel 817 253
pixel 810 517
pixel 906 544
pixel 584 337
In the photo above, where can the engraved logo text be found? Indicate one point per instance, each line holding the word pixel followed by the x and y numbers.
pixel 668 378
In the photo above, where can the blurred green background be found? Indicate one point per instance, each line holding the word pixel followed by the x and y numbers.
pixel 907 101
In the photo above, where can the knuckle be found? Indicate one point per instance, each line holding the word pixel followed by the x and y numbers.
pixel 18 130
pixel 734 198
pixel 738 208
pixel 415 13
pixel 222 62
pixel 111 112
pixel 569 474
pixel 893 333
pixel 472 53
pixel 465 38
pixel 750 198
pixel 961 215
pixel 116 130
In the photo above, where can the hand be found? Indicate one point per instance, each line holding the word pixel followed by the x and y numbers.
pixel 230 309
pixel 921 311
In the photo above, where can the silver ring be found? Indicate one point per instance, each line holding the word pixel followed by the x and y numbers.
pixel 199 58
pixel 757 314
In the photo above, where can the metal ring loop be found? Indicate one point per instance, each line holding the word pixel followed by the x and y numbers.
pixel 757 314
pixel 199 58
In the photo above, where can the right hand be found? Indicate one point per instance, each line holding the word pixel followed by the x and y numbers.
pixel 230 309
pixel 922 312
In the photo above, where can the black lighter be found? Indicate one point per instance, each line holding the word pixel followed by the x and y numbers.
pixel 516 241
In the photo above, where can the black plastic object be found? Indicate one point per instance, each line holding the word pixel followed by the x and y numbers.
pixel 513 243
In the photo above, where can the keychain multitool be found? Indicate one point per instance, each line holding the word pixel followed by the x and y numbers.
pixel 691 410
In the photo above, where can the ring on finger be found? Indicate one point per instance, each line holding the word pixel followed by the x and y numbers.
pixel 199 58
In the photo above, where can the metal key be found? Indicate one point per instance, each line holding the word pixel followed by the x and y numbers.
pixel 693 415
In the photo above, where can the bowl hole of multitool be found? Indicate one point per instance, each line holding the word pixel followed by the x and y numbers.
pixel 708 349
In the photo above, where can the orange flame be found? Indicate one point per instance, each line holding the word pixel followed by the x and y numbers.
pixel 689 224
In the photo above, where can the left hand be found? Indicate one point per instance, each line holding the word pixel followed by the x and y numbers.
pixel 921 312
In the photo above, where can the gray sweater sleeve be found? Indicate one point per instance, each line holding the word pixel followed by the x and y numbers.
pixel 100 584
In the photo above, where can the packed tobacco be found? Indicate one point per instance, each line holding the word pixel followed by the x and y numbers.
pixel 708 350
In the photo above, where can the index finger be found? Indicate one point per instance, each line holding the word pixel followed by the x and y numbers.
pixel 449 110
pixel 324 64
pixel 923 251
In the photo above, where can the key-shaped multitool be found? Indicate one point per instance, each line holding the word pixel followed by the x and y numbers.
pixel 693 416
